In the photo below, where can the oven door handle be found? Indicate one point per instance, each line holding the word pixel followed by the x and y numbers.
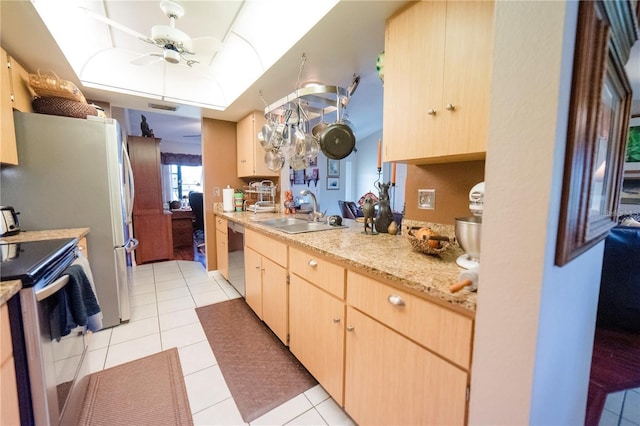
pixel 52 288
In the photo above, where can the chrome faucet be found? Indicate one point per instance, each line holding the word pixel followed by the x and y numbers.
pixel 315 215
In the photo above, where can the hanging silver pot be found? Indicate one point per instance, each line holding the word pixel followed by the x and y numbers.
pixel 273 160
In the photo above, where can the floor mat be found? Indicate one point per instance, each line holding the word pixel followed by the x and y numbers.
pixel 147 391
pixel 260 371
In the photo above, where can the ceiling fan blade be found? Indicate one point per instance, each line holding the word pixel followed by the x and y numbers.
pixel 205 45
pixel 149 58
pixel 118 26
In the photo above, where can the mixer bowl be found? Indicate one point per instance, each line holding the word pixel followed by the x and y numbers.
pixel 467 231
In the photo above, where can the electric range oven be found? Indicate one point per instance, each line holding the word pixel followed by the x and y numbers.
pixel 51 371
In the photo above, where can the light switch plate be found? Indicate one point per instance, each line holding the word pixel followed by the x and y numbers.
pixel 427 199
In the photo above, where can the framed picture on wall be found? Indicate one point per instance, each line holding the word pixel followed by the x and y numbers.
pixel 333 168
pixel 633 141
pixel 333 183
pixel 598 124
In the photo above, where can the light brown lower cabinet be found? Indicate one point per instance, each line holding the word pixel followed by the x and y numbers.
pixel 222 250
pixel 266 281
pixel 391 380
pixel 385 355
pixel 316 328
pixel 10 413
pixel 222 253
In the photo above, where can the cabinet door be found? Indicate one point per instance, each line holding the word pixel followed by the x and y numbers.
pixel 467 77
pixel 253 280
pixel 274 298
pixel 391 380
pixel 10 413
pixel 222 253
pixel 413 67
pixel 8 147
pixel 316 327
pixel 250 155
pixel 145 162
pixel 153 231
pixel 245 150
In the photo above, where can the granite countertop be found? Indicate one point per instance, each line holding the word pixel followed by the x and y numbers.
pixel 50 234
pixel 388 256
pixel 9 288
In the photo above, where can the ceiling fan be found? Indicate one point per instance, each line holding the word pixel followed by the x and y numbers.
pixel 176 45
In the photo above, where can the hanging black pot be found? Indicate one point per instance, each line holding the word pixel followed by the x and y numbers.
pixel 337 141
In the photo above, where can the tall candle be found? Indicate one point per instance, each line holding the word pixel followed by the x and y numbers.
pixel 393 173
pixel 379 154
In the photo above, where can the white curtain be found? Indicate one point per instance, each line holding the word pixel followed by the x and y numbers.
pixel 167 193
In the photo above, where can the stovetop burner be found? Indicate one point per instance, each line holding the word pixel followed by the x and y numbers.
pixel 31 261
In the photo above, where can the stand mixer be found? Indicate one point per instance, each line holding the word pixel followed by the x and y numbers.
pixel 467 229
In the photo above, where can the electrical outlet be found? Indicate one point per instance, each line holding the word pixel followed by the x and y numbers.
pixel 216 191
pixel 427 199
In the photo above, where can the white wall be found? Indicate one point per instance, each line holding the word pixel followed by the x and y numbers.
pixel 366 172
pixel 535 321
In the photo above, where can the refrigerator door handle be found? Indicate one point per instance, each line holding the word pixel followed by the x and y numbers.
pixel 123 284
pixel 131 245
pixel 131 193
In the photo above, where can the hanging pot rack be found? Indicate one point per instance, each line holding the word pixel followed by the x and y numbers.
pixel 316 100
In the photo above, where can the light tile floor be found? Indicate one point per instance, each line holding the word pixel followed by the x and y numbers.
pixel 163 300
pixel 622 408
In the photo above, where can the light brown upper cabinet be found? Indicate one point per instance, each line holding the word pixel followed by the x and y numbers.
pixel 14 94
pixel 250 153
pixel 437 78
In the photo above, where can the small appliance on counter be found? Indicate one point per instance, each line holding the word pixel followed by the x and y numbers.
pixel 467 229
pixel 9 221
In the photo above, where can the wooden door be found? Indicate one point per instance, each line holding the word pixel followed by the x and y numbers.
pixel 316 328
pixel 253 280
pixel 275 298
pixel 391 380
pixel 467 77
pixel 413 75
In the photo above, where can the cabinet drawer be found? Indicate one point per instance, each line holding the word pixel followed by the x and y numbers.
pixel 437 328
pixel 182 225
pixel 318 271
pixel 221 225
pixel 272 249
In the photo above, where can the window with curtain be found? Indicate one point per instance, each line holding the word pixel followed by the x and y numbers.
pixel 181 173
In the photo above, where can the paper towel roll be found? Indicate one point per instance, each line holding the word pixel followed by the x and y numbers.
pixel 227 199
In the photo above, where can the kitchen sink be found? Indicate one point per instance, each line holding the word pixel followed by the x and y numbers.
pixel 291 225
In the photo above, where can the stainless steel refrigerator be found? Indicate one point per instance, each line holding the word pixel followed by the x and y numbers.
pixel 75 173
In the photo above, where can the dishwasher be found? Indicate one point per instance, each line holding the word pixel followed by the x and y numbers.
pixel 235 245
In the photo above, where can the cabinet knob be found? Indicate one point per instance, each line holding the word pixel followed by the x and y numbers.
pixel 243 161
pixel 313 263
pixel 350 328
pixel 451 107
pixel 336 320
pixel 431 111
pixel 396 300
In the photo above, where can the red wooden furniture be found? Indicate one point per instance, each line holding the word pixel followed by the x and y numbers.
pixel 615 366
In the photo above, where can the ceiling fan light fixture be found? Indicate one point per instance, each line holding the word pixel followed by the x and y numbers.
pixel 171 56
